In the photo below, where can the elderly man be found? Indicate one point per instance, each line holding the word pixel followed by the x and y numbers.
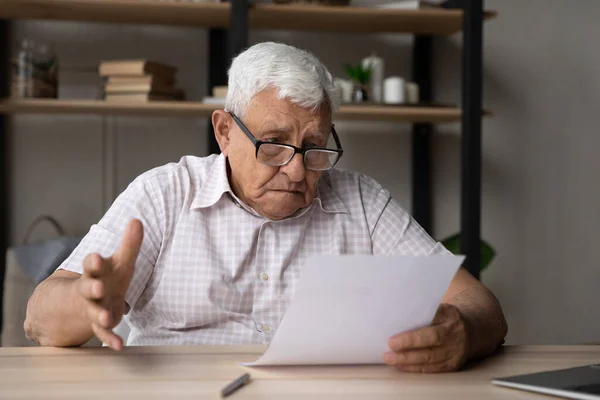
pixel 209 250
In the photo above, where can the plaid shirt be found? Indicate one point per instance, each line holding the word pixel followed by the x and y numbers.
pixel 213 271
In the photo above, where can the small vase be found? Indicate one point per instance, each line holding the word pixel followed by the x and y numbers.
pixel 360 94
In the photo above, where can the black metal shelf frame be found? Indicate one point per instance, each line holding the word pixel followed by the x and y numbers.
pixel 5 157
pixel 422 187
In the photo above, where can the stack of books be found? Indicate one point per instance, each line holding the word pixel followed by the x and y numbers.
pixel 138 81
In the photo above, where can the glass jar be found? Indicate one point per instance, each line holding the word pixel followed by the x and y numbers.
pixel 34 71
pixel 22 82
pixel 46 72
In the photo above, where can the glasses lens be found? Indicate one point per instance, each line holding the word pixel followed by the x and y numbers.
pixel 320 160
pixel 274 154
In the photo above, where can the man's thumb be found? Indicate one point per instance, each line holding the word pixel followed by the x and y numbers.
pixel 130 244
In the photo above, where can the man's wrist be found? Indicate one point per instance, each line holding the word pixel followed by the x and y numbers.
pixel 472 342
pixel 481 338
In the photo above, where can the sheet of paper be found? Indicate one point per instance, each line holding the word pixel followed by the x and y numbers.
pixel 347 307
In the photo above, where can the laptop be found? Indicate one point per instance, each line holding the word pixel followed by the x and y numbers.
pixel 581 383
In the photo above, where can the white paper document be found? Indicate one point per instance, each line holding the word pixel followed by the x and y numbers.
pixel 347 307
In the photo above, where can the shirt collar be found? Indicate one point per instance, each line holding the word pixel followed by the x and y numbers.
pixel 214 186
pixel 217 183
pixel 328 200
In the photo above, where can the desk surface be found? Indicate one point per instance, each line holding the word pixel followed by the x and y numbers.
pixel 200 372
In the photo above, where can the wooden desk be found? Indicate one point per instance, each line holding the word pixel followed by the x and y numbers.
pixel 200 372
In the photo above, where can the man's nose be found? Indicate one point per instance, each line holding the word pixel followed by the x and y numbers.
pixel 295 169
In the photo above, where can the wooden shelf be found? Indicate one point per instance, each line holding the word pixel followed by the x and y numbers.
pixel 357 19
pixel 119 11
pixel 399 113
pixel 197 109
pixel 262 16
pixel 100 107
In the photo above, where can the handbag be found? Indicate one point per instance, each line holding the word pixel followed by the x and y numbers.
pixel 27 265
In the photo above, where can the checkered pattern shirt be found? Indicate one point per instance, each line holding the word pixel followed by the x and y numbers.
pixel 213 271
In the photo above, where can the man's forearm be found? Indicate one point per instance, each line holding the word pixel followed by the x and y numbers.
pixel 485 322
pixel 55 315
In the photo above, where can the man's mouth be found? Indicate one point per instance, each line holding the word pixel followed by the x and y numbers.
pixel 293 191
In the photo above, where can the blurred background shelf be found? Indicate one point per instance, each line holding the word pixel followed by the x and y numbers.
pixel 229 26
pixel 100 107
pixel 198 109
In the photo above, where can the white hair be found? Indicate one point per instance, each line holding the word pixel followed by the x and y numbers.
pixel 297 75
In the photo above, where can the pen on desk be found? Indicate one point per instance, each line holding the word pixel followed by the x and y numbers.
pixel 235 385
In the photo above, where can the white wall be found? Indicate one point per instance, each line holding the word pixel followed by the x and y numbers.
pixel 539 164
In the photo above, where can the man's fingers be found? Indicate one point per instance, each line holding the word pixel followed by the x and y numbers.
pixel 432 336
pixel 90 288
pixel 95 266
pixel 435 355
pixel 99 315
pixel 130 244
pixel 108 337
pixel 445 366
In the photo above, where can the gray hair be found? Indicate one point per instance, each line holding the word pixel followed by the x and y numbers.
pixel 297 75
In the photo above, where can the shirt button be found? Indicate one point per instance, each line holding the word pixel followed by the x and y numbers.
pixel 266 328
pixel 265 276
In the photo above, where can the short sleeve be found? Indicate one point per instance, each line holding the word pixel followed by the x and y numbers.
pixel 394 231
pixel 139 201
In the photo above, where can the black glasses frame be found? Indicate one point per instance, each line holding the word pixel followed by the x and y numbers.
pixel 257 143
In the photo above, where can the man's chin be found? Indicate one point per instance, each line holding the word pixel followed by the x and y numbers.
pixel 284 204
pixel 280 213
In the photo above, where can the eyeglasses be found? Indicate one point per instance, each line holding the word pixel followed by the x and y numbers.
pixel 277 155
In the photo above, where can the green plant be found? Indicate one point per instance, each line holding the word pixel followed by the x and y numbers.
pixel 358 73
pixel 452 243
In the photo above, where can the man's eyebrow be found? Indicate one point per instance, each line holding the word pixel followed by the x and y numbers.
pixel 285 131
pixel 318 133
pixel 276 129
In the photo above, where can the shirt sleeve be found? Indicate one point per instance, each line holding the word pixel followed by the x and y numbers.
pixel 139 201
pixel 394 231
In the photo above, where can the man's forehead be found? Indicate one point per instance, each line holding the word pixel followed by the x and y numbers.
pixel 275 119
pixel 267 108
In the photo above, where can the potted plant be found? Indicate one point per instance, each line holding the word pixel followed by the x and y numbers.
pixel 452 243
pixel 360 76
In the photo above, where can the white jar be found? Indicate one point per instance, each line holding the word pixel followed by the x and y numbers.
pixel 394 90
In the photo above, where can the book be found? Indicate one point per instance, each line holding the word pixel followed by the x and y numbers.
pixel 139 80
pixel 138 97
pixel 219 91
pixel 135 68
pixel 154 87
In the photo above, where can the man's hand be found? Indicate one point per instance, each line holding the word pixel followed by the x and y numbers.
pixel 104 283
pixel 441 347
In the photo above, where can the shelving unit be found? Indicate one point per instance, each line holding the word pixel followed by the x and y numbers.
pixel 228 25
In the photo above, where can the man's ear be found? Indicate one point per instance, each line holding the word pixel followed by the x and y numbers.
pixel 221 121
